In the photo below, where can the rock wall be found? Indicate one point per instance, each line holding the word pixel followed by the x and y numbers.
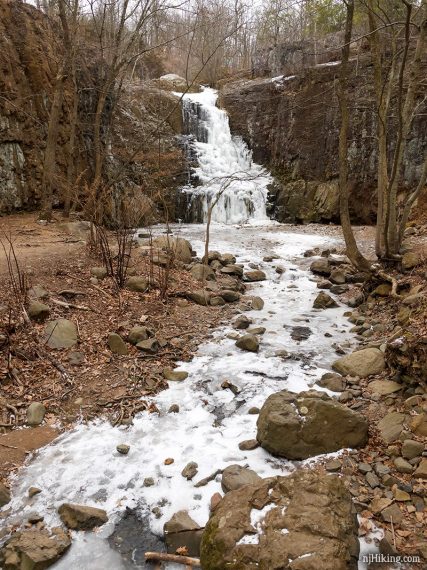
pixel 292 125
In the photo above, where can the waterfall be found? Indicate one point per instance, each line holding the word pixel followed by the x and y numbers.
pixel 224 173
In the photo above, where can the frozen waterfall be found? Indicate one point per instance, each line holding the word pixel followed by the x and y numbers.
pixel 225 177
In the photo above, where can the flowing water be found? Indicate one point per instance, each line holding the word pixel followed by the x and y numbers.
pixel 83 466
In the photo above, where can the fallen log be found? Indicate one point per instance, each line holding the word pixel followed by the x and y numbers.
pixel 164 557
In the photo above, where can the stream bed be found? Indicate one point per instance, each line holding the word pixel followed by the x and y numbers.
pixel 83 466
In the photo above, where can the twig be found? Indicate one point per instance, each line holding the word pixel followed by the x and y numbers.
pixel 72 305
pixel 192 562
pixel 14 447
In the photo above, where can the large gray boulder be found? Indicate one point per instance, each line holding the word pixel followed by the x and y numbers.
pixel 202 272
pixel 298 426
pixel 178 248
pixel 361 363
pixel 34 549
pixel 304 521
pixel 60 333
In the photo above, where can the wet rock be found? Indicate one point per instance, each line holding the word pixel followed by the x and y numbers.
pixel 298 426
pixel 35 413
pixel 300 333
pixel 248 342
pixel 123 449
pixel 176 247
pixel 190 470
pixel 248 444
pixel 116 344
pixel 361 363
pixel 253 276
pixel 310 521
pixel 324 301
pixel 256 330
pixel 390 426
pixel 421 471
pixel 254 411
pixel 4 495
pixel 173 409
pixel 403 466
pixel 181 530
pixel 33 491
pixel 80 517
pixel 60 333
pixel 34 549
pixel 137 284
pixel 242 322
pixel 200 297
pixel 99 272
pixel 174 375
pixel 148 482
pixel 321 267
pixel 339 289
pixel 257 304
pixel 333 382
pixel 324 284
pixel 230 296
pixel 202 272
pixel 149 346
pixel 412 448
pixel 236 476
pixel 337 276
pixel 38 311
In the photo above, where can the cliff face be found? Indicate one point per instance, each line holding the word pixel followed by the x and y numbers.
pixel 143 156
pixel 292 125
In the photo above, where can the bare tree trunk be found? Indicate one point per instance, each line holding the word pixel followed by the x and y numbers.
pixel 50 152
pixel 411 201
pixel 353 252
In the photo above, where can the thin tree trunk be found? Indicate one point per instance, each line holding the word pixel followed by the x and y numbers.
pixel 353 252
pixel 411 201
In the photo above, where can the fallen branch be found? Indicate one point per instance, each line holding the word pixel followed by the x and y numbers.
pixel 208 479
pixel 71 305
pixel 184 560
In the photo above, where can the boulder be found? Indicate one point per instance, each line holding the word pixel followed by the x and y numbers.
pixel 174 82
pixel 421 471
pixel 35 413
pixel 230 296
pixel 202 272
pixel 190 470
pixel 178 248
pixel 116 344
pixel 80 517
pixel 300 333
pixel 324 301
pixel 216 301
pixel 149 346
pixel 34 549
pixel 232 270
pixel 248 342
pixel 298 426
pixel 200 297
pixel 257 304
pixel 391 426
pixel 410 260
pixel 412 448
pixel 38 311
pixel 307 518
pixel 361 363
pixel 60 333
pixel 236 476
pixel 383 290
pixel 99 272
pixel 242 322
pixel 227 259
pixel 38 292
pixel 255 275
pixel 174 375
pixel 182 531
pixel 137 283
pixel 337 276
pixel 139 333
pixel 4 495
pixel 321 267
pixel 384 387
pixel 333 382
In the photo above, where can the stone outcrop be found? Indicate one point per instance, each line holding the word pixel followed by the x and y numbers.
pixel 34 549
pixel 298 426
pixel 361 363
pixel 292 124
pixel 304 521
pixel 81 517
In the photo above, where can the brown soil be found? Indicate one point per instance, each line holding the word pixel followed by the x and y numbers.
pixel 103 384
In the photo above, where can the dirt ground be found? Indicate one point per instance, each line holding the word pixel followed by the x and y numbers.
pixel 96 382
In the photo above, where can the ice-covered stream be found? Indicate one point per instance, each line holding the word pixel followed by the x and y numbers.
pixel 83 465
